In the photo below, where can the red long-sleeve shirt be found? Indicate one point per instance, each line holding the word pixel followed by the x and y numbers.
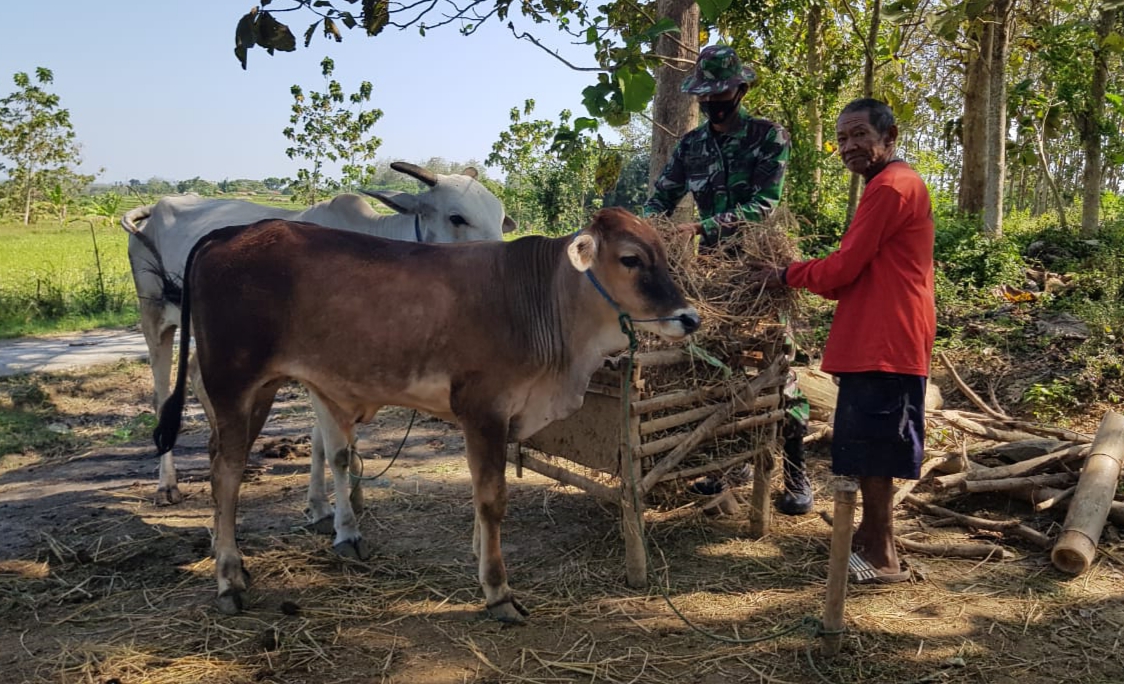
pixel 882 277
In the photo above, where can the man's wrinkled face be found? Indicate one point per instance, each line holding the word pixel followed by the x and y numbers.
pixel 860 145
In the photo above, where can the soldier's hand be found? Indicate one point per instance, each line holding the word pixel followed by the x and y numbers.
pixel 689 229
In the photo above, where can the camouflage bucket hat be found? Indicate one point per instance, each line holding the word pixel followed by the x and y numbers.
pixel 717 71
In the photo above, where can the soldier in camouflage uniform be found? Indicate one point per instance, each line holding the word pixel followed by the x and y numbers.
pixel 733 165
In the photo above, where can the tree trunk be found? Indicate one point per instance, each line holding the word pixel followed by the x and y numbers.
pixel 868 91
pixel 973 125
pixel 815 122
pixel 1044 164
pixel 673 112
pixel 30 181
pixel 1091 129
pixel 997 120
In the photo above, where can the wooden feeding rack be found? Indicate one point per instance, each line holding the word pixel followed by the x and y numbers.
pixel 685 429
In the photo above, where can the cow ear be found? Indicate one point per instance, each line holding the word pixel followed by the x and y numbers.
pixel 401 202
pixel 582 251
pixel 509 224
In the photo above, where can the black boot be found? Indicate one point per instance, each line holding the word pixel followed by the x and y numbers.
pixel 797 497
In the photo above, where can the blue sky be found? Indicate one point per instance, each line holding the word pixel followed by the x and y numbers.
pixel 154 89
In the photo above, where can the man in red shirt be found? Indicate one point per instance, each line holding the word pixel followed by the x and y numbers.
pixel 881 337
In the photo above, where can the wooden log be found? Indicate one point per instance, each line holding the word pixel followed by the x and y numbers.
pixel 676 419
pixel 1046 504
pixel 1089 507
pixel 1007 526
pixel 967 550
pixel 1036 496
pixel 972 427
pixel 927 467
pixel 1024 468
pixel 1010 484
pixel 842 528
pixel 1034 428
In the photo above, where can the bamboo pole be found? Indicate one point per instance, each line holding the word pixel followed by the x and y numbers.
pixel 1088 510
pixel 842 527
pixel 679 398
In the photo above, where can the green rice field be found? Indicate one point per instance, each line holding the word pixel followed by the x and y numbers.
pixel 50 279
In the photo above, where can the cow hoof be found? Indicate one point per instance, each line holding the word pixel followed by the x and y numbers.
pixel 355 549
pixel 508 611
pixel 325 525
pixel 229 602
pixel 168 496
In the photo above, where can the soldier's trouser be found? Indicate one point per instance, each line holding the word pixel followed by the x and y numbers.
pixel 794 429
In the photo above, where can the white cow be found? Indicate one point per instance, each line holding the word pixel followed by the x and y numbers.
pixel 455 208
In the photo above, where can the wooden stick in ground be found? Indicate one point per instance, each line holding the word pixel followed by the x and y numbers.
pixel 842 528
pixel 1007 526
pixel 1088 510
pixel 969 550
pixel 1015 469
pixel 963 386
pixel 1011 484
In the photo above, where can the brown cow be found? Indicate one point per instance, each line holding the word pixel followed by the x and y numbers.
pixel 500 337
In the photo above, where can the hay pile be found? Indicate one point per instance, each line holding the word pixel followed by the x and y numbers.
pixel 738 318
pixel 742 330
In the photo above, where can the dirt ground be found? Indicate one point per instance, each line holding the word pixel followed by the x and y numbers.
pixel 100 586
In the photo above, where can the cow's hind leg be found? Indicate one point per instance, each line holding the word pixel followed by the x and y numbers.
pixel 319 511
pixel 160 339
pixel 339 449
pixel 231 439
pixel 485 440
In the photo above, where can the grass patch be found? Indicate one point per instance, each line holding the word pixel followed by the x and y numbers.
pixel 57 277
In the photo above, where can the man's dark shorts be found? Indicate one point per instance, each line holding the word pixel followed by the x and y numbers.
pixel 879 426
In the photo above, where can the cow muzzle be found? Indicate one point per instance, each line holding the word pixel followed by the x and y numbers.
pixel 679 324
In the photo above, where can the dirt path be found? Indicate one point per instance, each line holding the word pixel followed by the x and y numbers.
pixel 99 585
pixel 68 352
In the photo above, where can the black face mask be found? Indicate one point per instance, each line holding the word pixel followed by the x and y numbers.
pixel 719 111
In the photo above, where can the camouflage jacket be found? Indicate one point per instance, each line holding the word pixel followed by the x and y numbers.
pixel 733 177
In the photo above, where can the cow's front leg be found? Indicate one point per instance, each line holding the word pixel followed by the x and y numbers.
pixel 485 443
pixel 160 341
pixel 338 446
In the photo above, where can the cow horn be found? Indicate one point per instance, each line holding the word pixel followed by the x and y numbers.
pixel 424 175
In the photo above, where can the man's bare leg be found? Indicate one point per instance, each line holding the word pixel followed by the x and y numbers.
pixel 875 535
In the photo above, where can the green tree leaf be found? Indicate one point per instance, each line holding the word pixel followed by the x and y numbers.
pixel 637 89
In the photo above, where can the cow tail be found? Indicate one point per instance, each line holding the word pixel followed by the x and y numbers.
pixel 171 413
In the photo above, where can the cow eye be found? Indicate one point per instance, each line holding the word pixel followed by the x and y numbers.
pixel 458 220
pixel 631 261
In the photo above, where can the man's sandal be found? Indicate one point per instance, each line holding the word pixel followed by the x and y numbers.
pixel 862 572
